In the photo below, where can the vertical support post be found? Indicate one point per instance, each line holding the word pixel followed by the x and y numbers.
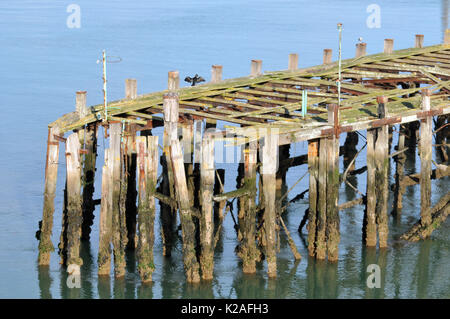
pixel 198 124
pixel 147 162
pixel 256 68
pixel 62 245
pixel 313 167
pixel 168 214
pixel 381 174
pixel 88 140
pixel 332 229
pixel 105 232
pixel 321 222
pixel 187 140
pixel 118 218
pixel 187 225
pixel 419 41
pixel 89 163
pixel 269 169
pixel 216 73
pixel 400 168
pixel 293 62
pixel 130 89
pixel 51 174
pixel 170 109
pixel 173 83
pixel 80 104
pixel 360 49
pixel 198 141
pixel 327 56
pixel 131 195
pixel 130 162
pixel 447 36
pixel 207 171
pixel 74 209
pixel 425 160
pixel 370 227
pixel 388 46
pixel 249 251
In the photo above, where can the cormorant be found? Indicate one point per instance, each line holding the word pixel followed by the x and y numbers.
pixel 196 79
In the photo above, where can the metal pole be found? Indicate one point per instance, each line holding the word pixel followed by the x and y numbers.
pixel 340 63
pixel 105 103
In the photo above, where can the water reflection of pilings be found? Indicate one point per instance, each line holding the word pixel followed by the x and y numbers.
pixel 87 272
pixel 171 280
pixel 322 279
pixel 422 269
pixel 104 287
pixel 369 257
pixel 45 282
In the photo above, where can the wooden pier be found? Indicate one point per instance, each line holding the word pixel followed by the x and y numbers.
pixel 261 115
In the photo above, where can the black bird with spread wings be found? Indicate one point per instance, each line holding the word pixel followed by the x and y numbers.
pixel 196 79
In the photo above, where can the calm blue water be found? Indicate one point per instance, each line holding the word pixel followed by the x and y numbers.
pixel 43 63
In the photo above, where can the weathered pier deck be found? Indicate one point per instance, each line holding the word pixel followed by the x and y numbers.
pixel 263 114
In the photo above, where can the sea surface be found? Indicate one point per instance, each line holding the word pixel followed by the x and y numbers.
pixel 43 62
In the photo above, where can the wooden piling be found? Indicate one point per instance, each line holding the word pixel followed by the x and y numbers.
pixel 426 139
pixel 74 209
pixel 187 141
pixel 399 172
pixel 419 41
pixel 118 217
pixel 191 265
pixel 216 73
pixel 62 245
pixel 321 221
pixel 80 104
pixel 327 56
pixel 147 163
pixel 197 160
pixel 313 168
pixel 173 82
pixel 130 160
pixel 269 169
pixel 360 49
pixel 168 214
pixel 381 174
pixel 332 229
pixel 370 227
pixel 88 140
pixel 105 225
pixel 256 68
pixel 293 62
pixel 447 36
pixel 89 163
pixel 249 252
pixel 51 174
pixel 207 171
pixel 130 89
pixel 388 46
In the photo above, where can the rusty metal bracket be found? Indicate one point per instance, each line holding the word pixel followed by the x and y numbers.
pixel 386 121
pixel 425 114
pixel 59 138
